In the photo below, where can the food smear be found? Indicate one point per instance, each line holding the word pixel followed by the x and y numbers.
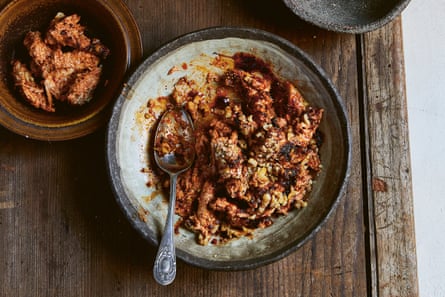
pixel 257 148
pixel 174 139
pixel 64 65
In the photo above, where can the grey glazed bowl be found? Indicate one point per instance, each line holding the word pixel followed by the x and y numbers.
pixel 128 151
pixel 356 16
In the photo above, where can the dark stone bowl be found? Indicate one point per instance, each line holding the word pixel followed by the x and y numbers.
pixel 349 16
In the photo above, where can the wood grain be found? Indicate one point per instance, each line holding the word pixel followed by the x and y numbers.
pixel 62 233
pixel 389 170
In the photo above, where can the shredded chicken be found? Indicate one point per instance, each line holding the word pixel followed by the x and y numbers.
pixel 33 92
pixel 65 65
pixel 257 147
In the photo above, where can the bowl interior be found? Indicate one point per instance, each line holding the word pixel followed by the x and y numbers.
pixel 348 16
pixel 129 137
pixel 102 22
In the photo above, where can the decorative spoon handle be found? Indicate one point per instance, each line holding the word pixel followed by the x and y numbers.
pixel 164 269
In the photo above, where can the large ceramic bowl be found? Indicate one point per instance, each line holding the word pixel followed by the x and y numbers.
pixel 110 21
pixel 128 145
pixel 347 16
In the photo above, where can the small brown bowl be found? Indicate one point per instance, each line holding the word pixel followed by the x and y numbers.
pixel 110 21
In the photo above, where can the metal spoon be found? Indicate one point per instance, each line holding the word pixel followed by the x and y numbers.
pixel 174 153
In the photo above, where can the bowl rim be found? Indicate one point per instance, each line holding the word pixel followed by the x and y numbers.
pixel 91 122
pixel 113 167
pixel 344 28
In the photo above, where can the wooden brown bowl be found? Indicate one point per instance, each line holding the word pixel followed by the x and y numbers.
pixel 110 21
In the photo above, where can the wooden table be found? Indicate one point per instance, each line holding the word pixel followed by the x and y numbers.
pixel 62 234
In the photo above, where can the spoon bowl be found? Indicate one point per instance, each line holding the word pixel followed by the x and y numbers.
pixel 174 144
pixel 174 153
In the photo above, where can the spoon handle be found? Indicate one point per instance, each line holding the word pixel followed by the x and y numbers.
pixel 164 270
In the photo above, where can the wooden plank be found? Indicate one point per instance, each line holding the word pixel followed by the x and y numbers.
pixel 389 173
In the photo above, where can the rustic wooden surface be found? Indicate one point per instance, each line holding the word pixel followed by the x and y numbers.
pixel 388 169
pixel 62 234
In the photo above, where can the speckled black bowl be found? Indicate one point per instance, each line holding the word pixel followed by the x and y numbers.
pixel 128 149
pixel 357 16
